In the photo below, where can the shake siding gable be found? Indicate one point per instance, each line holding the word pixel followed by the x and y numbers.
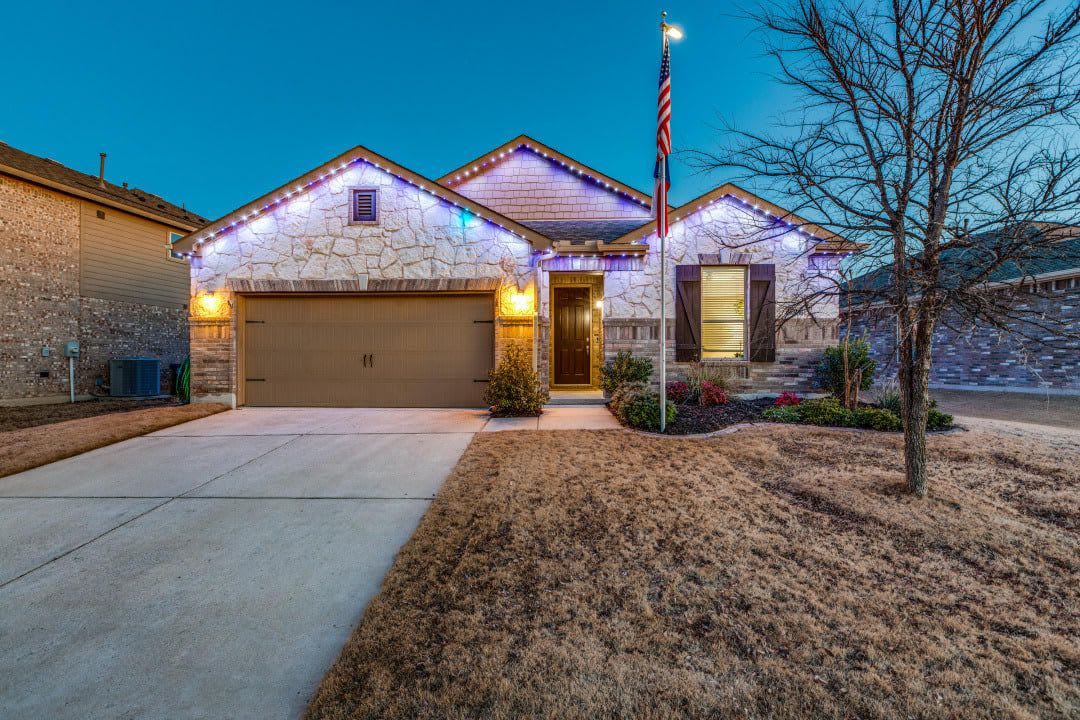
pixel 526 186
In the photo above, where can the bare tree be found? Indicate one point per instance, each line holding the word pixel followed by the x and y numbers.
pixel 939 136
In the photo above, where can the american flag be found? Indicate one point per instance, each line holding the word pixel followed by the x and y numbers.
pixel 663 142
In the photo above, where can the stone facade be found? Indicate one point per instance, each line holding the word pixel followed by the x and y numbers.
pixel 41 305
pixel 727 229
pixel 418 236
pixel 983 358
pixel 422 236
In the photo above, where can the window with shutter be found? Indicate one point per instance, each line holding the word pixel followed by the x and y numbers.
pixel 723 311
pixel 365 206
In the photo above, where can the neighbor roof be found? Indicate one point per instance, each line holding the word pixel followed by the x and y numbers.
pixel 331 167
pixel 464 172
pixel 1060 257
pixel 50 173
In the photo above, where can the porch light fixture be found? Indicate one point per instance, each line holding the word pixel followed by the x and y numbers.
pixel 209 306
pixel 518 304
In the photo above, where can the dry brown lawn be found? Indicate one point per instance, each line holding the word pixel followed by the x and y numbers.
pixel 30 447
pixel 773 573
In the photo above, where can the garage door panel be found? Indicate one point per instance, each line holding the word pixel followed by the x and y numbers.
pixel 424 350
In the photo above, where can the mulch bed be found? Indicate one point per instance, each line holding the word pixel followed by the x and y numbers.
pixel 16 418
pixel 693 419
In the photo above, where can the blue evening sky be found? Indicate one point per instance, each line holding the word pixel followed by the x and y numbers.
pixel 214 103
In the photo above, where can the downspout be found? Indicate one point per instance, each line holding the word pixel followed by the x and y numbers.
pixel 545 255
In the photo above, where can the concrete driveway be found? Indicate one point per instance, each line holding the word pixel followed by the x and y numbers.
pixel 211 570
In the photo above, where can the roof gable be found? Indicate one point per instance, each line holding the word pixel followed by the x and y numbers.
pixel 332 168
pixel 752 203
pixel 530 181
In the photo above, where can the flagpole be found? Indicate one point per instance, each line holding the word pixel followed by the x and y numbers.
pixel 661 226
pixel 663 298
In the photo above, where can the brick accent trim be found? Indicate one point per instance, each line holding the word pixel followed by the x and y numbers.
pixel 362 284
pixel 481 284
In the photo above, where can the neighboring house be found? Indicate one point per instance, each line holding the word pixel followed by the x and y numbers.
pixel 364 283
pixel 981 357
pixel 83 260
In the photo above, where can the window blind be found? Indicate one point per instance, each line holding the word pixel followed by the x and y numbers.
pixel 723 312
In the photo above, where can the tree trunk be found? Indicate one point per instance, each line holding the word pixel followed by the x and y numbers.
pixel 915 402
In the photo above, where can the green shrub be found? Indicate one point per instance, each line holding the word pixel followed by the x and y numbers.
pixel 641 409
pixel 782 413
pixel 826 411
pixel 624 368
pixel 513 387
pixel 183 381
pixel 937 420
pixel 829 374
pixel 621 395
pixel 889 397
pixel 874 418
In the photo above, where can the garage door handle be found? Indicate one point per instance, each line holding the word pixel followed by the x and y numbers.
pixel 372 360
pixel 365 359
pixel 255 379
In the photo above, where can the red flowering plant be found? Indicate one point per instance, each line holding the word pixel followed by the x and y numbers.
pixel 712 394
pixel 788 398
pixel 678 392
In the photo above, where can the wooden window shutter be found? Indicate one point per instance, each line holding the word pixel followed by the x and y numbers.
pixel 762 316
pixel 687 313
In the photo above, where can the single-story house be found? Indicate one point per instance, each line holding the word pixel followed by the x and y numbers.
pixel 83 260
pixel 1029 357
pixel 364 283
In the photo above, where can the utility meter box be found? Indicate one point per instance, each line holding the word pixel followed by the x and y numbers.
pixel 71 349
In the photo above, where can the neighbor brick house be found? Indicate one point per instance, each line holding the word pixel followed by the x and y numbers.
pixel 364 283
pixel 969 356
pixel 84 260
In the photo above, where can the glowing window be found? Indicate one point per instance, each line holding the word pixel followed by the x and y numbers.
pixel 723 311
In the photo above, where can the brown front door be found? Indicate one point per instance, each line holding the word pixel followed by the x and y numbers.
pixel 571 342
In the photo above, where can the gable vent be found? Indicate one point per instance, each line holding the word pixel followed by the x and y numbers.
pixel 364 206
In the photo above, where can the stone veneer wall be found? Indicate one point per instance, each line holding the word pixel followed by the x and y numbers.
pixel 525 186
pixel 418 237
pixel 982 358
pixel 40 304
pixel 632 299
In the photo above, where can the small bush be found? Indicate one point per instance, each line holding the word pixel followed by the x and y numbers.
pixel 826 411
pixel 183 381
pixel 622 395
pixel 712 394
pixel 700 373
pixel 642 410
pixel 889 397
pixel 788 398
pixel 624 368
pixel 937 420
pixel 877 419
pixel 782 413
pixel 678 391
pixel 513 387
pixel 829 374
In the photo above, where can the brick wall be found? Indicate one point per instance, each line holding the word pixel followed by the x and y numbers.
pixel 40 304
pixel 982 357
pixel 799 347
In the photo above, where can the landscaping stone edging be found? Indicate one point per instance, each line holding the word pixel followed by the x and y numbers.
pixel 746 426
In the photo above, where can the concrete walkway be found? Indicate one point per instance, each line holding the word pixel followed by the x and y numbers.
pixel 214 569
pixel 1061 411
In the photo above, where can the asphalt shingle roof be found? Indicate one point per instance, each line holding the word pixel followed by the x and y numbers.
pixel 63 175
pixel 579 232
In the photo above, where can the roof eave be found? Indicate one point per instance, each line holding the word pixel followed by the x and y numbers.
pixel 318 174
pixel 99 199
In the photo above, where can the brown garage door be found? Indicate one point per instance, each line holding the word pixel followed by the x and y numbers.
pixel 367 350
